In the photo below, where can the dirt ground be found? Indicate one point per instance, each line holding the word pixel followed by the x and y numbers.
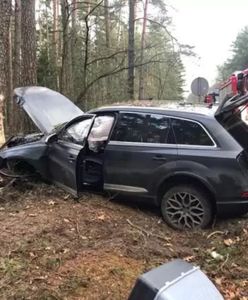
pixel 55 247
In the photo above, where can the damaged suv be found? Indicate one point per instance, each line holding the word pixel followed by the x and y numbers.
pixel 191 165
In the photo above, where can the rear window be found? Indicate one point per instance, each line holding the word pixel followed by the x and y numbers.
pixel 190 133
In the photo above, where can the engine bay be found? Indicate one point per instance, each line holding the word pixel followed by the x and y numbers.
pixel 23 139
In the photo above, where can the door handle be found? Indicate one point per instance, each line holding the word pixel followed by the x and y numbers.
pixel 159 158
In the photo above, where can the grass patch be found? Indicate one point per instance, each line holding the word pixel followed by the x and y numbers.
pixel 11 267
pixel 71 284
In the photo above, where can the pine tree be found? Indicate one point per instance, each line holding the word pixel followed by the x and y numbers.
pixel 5 64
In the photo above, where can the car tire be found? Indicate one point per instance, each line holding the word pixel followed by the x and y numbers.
pixel 186 207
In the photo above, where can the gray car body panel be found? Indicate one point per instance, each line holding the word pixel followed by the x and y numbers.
pixel 215 167
pixel 47 108
pixel 35 154
pixel 130 168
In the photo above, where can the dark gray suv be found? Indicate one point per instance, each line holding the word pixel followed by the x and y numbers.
pixel 192 165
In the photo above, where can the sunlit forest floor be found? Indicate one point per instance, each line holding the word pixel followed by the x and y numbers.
pixel 57 247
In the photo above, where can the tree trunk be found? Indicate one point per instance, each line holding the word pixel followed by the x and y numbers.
pixel 86 57
pixel 55 41
pixel 107 25
pixel 28 51
pixel 17 45
pixel 131 52
pixel 29 64
pixel 108 46
pixel 5 64
pixel 66 73
pixel 73 44
pixel 141 73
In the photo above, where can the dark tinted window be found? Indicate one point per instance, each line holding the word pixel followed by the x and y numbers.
pixel 158 128
pixel 130 128
pixel 143 128
pixel 190 133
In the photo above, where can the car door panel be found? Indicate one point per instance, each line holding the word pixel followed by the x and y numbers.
pixel 138 155
pixel 137 168
pixel 63 158
pixel 64 154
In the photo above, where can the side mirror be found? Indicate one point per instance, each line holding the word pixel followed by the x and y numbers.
pixel 51 138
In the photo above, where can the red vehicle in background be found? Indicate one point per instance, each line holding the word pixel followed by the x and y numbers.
pixel 237 83
pixel 229 87
pixel 210 99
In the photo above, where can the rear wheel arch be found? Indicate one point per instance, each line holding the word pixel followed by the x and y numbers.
pixel 186 179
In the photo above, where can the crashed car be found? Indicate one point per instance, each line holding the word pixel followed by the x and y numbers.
pixel 192 165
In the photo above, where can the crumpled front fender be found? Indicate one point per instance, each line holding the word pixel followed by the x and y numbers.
pixel 34 154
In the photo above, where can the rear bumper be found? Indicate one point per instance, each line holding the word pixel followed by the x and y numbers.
pixel 238 206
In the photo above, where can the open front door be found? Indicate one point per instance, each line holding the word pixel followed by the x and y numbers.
pixel 63 165
pixel 64 153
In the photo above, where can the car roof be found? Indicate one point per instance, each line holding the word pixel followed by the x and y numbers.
pixel 196 113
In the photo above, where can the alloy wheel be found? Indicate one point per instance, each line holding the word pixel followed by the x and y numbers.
pixel 185 210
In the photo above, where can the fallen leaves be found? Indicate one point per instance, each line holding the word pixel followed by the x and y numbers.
pixel 217 256
pixel 88 235
pixel 51 202
pixel 189 258
pixel 228 242
pixel 32 215
pixel 230 290
pixel 101 217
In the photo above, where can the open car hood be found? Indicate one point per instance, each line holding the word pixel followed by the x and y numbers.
pixel 47 109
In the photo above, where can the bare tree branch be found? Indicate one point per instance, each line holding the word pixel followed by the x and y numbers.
pixel 113 72
pixel 159 24
pixel 106 57
pixel 117 53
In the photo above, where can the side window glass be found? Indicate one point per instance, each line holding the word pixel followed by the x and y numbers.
pixel 77 132
pixel 190 133
pixel 158 129
pixel 130 127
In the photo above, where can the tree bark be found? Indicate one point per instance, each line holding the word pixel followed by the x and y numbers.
pixel 29 63
pixel 55 38
pixel 131 51
pixel 108 46
pixel 17 44
pixel 107 21
pixel 28 52
pixel 5 64
pixel 141 71
pixel 66 72
pixel 73 44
